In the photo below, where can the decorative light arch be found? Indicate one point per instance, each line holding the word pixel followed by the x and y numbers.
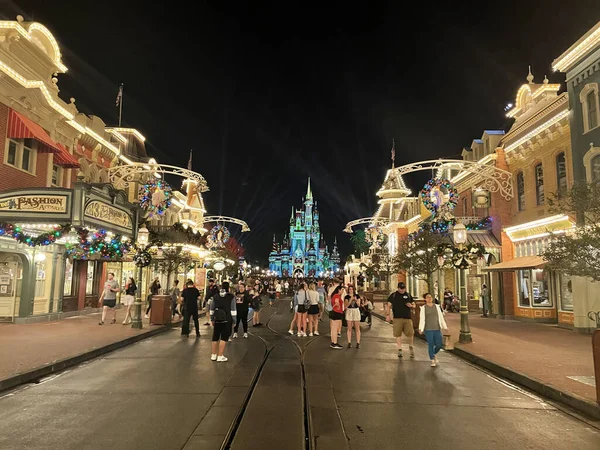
pixel 130 173
pixel 379 222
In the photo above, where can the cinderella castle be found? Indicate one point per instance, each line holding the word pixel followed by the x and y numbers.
pixel 303 253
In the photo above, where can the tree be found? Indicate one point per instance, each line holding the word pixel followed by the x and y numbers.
pixel 418 255
pixel 172 259
pixel 577 253
pixel 359 242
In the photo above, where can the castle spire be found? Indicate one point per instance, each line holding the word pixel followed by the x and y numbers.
pixel 308 191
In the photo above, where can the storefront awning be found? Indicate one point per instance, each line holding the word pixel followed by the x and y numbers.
pixel 485 238
pixel 20 127
pixel 523 262
pixel 65 159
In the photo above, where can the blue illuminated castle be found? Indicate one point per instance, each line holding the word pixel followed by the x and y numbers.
pixel 303 253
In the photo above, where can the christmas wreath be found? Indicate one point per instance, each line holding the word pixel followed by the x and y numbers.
pixel 155 197
pixel 218 236
pixel 379 237
pixel 142 258
pixel 431 196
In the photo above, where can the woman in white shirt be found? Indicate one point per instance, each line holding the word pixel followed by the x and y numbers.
pixel 432 322
pixel 313 310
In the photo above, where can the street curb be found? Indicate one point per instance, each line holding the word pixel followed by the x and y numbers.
pixel 587 407
pixel 45 370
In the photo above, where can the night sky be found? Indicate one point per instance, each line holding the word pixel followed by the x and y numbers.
pixel 270 95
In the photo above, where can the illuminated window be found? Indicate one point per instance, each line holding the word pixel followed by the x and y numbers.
pixel 21 154
pixel 539 184
pixel 521 191
pixel 89 285
pixel 68 285
pixel 561 173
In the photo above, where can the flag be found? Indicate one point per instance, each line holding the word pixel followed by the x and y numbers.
pixel 393 150
pixel 119 95
pixel 190 161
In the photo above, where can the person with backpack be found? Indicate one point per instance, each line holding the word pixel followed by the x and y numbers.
pixel 222 313
pixel 302 304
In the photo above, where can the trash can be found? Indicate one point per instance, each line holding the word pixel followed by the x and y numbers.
pixel 160 314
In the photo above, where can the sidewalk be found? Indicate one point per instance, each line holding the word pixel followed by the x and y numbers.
pixel 31 351
pixel 555 357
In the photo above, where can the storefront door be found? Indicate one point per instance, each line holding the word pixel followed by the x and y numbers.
pixel 8 290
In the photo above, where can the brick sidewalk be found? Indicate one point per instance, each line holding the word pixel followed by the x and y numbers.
pixel 543 352
pixel 29 346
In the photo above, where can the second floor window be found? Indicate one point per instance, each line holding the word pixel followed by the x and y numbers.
pixel 592 110
pixel 539 184
pixel 521 191
pixel 56 175
pixel 21 154
pixel 561 173
pixel 596 169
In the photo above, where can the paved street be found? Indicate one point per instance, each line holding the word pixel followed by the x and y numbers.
pixel 165 393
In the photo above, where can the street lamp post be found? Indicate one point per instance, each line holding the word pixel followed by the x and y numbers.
pixel 460 238
pixel 142 242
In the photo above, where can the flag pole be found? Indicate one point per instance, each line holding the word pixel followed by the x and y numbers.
pixel 121 106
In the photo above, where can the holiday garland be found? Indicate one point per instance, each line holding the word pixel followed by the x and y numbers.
pixel 47 238
pixel 461 256
pixel 98 244
pixel 142 258
pixel 155 197
pixel 428 202
pixel 442 226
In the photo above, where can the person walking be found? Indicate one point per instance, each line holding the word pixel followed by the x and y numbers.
pixel 211 291
pixel 432 322
pixel 256 302
pixel 322 291
pixel 352 307
pixel 286 285
pixel 336 315
pixel 313 310
pixel 108 298
pixel 129 299
pixel 402 305
pixel 485 300
pixel 154 289
pixel 243 301
pixel 301 303
pixel 278 290
pixel 190 297
pixel 175 294
pixel 271 291
pixel 222 314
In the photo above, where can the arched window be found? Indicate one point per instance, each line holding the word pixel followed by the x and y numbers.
pixel 521 191
pixel 590 106
pixel 539 184
pixel 561 173
pixel 592 109
pixel 595 168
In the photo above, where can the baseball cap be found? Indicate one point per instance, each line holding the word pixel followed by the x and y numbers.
pixel 401 285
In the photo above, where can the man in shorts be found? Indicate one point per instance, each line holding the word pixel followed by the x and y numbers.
pixel 402 305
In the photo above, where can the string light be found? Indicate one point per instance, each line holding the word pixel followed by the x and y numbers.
pixel 16 232
pixel 99 244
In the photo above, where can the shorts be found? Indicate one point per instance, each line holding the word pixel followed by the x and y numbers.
pixel 333 315
pixel 128 300
pixel 221 331
pixel 313 310
pixel 109 303
pixel 403 325
pixel 353 314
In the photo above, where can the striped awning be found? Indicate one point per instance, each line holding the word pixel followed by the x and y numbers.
pixel 486 238
pixel 20 127
pixel 65 159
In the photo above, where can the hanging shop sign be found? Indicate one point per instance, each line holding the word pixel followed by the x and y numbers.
pixel 107 214
pixel 36 204
pixel 481 198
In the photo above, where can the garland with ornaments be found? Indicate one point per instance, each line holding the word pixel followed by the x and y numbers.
pixel 431 196
pixel 218 236
pixel 142 258
pixel 48 238
pixel 155 197
pixel 98 244
pixel 379 238
pixel 460 257
pixel 442 226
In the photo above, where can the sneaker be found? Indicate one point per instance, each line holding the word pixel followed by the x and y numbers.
pixel 436 360
pixel 338 346
pixel 235 335
pixel 339 334
pixel 332 345
pixel 433 363
pixel 213 357
pixel 357 345
pixel 349 344
pixel 399 353
pixel 310 334
pixel 101 323
pixel 291 332
pixel 245 335
pixel 412 352
pixel 316 333
pixel 221 359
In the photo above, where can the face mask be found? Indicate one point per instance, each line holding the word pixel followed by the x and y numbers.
pixel 222 292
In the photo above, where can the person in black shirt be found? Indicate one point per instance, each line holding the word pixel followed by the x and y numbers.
pixel 190 296
pixel 243 301
pixel 402 305
pixel 211 290
pixel 222 313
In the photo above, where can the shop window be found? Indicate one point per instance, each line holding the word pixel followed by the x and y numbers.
pixel 540 288
pixel 68 285
pixel 40 276
pixel 595 168
pixel 89 284
pixel 561 173
pixel 56 175
pixel 539 184
pixel 524 277
pixel 565 291
pixel 21 154
pixel 521 191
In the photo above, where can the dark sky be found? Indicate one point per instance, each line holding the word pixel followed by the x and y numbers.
pixel 268 94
